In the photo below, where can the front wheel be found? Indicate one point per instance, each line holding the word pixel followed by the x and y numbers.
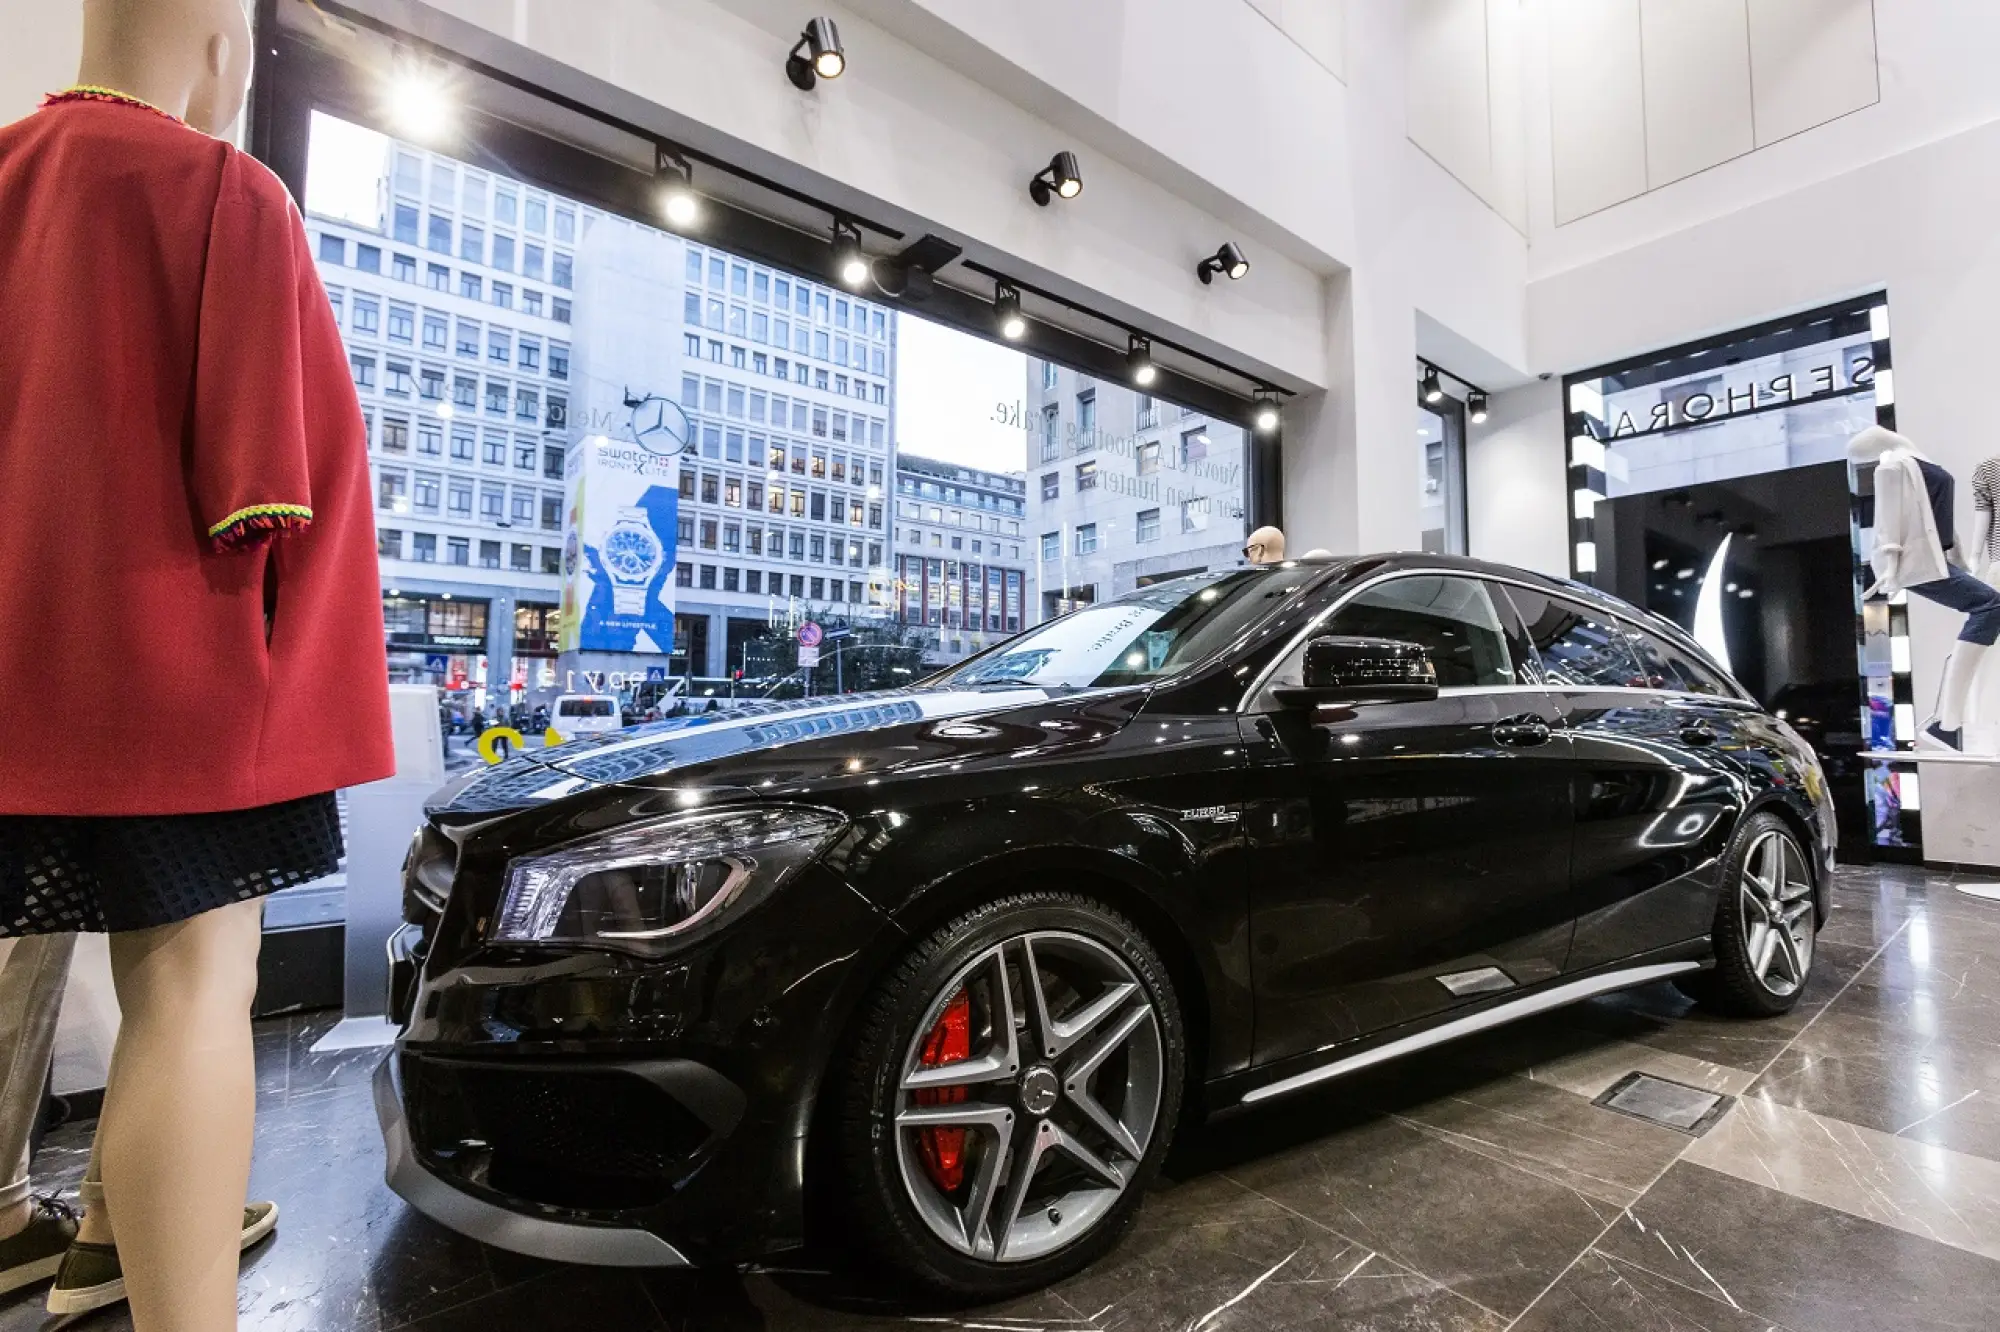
pixel 1766 926
pixel 1013 1089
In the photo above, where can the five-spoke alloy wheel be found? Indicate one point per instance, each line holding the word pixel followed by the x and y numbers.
pixel 1766 924
pixel 1017 1082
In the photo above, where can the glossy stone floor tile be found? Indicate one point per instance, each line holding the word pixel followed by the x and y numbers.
pixel 1927 1095
pixel 1799 1264
pixel 1591 1071
pixel 1490 1231
pixel 1601 1294
pixel 1552 1134
pixel 1923 1189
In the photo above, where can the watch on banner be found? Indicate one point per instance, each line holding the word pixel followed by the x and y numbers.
pixel 632 553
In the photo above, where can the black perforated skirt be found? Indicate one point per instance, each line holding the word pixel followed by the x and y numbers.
pixel 107 875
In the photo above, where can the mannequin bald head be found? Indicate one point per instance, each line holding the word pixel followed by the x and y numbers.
pixel 189 57
pixel 1266 545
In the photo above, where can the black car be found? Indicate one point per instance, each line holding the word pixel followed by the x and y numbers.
pixel 955 961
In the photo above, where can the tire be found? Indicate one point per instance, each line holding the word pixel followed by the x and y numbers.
pixel 1760 971
pixel 1093 1072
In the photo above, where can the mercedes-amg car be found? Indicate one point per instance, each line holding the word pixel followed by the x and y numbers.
pixel 955 962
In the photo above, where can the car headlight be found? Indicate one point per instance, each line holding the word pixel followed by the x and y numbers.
pixel 639 887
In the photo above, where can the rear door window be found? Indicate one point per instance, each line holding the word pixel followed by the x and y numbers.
pixel 1579 647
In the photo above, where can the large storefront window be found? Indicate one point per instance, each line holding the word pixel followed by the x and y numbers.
pixel 1710 484
pixel 690 456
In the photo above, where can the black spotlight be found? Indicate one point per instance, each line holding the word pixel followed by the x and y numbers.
pixel 1061 177
pixel 818 55
pixel 1431 385
pixel 1266 413
pixel 1228 260
pixel 1139 360
pixel 1007 313
pixel 677 197
pixel 1475 406
pixel 850 265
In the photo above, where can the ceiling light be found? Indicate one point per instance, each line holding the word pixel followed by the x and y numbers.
pixel 1139 360
pixel 1475 406
pixel 677 197
pixel 1432 386
pixel 848 261
pixel 419 105
pixel 1007 311
pixel 1228 260
pixel 1659 564
pixel 818 55
pixel 1061 177
pixel 1266 413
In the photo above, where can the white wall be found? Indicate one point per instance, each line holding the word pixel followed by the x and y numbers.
pixel 1513 479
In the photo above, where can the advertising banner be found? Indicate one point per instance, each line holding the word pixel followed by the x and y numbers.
pixel 618 558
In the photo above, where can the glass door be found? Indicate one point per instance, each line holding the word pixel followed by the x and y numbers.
pixel 1441 475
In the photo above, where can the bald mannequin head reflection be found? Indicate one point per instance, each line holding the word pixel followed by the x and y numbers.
pixel 1266 545
pixel 188 57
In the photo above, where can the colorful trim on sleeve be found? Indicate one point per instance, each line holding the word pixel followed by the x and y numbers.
pixel 248 526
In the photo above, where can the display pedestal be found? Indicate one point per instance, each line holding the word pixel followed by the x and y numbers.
pixel 1961 804
pixel 382 817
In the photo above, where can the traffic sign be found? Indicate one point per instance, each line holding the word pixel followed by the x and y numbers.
pixel 811 635
pixel 808 657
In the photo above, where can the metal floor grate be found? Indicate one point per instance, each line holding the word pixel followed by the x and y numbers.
pixel 1671 1105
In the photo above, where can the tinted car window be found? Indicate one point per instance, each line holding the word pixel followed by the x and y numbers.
pixel 1578 646
pixel 1655 666
pixel 1144 635
pixel 1681 670
pixel 1454 618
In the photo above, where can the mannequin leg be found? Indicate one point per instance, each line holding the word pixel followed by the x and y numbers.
pixel 33 971
pixel 176 1130
pixel 1981 604
pixel 1959 673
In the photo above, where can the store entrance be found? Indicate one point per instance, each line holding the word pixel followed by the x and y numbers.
pixel 1765 560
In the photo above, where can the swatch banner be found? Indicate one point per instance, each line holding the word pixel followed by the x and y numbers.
pixel 618 559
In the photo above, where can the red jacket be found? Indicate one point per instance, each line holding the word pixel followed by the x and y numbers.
pixel 179 442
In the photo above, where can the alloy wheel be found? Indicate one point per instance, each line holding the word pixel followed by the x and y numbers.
pixel 1775 896
pixel 1028 1096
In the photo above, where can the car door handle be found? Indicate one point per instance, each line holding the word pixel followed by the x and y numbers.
pixel 1522 732
pixel 1697 733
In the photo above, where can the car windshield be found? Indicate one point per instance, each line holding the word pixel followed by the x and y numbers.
pixel 1144 635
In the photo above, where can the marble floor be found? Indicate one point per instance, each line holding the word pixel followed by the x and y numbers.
pixel 1852 1186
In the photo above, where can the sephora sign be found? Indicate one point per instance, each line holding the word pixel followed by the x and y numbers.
pixel 1710 402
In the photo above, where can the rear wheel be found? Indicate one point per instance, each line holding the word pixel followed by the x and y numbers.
pixel 1013 1089
pixel 1766 927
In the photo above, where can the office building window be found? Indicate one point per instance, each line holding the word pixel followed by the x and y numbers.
pixel 332 250
pixel 461 445
pixel 426 496
pixel 1148 526
pixel 395 435
pixel 472 243
pixel 403 223
pixel 552 513
pixel 439 238
pixel 436 329
pixel 389 543
pixel 404 268
pixel 1051 485
pixel 1086 538
pixel 458 499
pixel 1051 546
pixel 562 271
pixel 489 554
pixel 1086 476
pixel 438 277
pixel 459 550
pixel 367 258
pixel 522 558
pixel 424 547
pixel 470 287
pixel 708 576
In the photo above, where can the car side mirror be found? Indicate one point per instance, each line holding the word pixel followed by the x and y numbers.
pixel 1361 670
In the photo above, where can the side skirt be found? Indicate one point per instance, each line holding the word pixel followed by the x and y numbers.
pixel 1260 1085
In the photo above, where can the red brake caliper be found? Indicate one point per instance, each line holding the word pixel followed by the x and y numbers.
pixel 949 1042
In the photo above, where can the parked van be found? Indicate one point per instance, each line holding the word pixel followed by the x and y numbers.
pixel 585 714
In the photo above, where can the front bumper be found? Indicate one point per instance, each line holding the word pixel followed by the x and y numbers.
pixel 489 1222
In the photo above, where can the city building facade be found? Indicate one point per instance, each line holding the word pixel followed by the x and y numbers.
pixel 457 314
pixel 490 325
pixel 960 573
pixel 1124 489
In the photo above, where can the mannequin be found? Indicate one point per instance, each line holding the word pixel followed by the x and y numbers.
pixel 213 502
pixel 1985 530
pixel 1266 545
pixel 1913 545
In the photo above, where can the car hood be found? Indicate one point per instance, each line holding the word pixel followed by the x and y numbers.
pixel 640 753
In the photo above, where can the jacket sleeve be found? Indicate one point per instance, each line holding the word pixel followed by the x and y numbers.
pixel 1892 525
pixel 249 468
